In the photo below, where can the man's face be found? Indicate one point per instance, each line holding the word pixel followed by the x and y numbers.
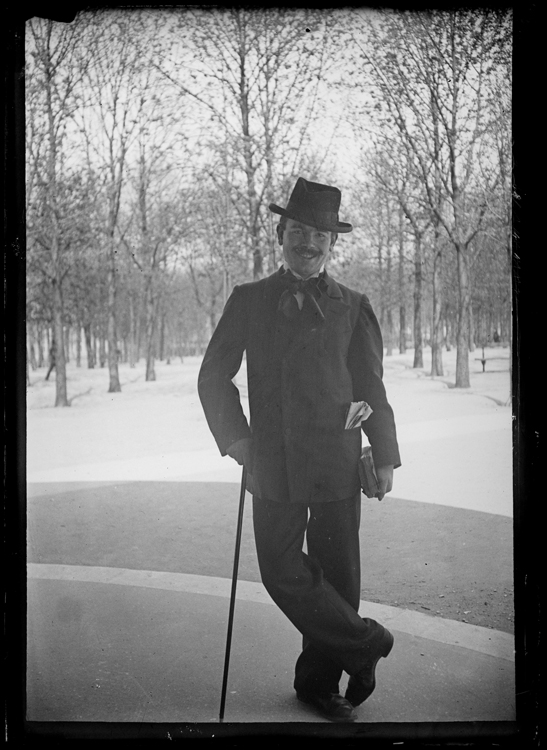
pixel 305 248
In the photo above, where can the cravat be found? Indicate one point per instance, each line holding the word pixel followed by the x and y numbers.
pixel 310 288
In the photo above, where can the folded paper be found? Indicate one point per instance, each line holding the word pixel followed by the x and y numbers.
pixel 357 413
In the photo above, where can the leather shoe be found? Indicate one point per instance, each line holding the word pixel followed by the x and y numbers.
pixel 362 684
pixel 332 706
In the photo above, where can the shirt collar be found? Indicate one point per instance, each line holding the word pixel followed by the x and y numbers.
pixel 313 276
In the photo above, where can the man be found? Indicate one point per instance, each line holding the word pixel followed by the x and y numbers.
pixel 52 358
pixel 313 347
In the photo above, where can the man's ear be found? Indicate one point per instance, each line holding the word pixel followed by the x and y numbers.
pixel 333 240
pixel 279 230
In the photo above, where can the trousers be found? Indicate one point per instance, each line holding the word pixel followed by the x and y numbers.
pixel 318 590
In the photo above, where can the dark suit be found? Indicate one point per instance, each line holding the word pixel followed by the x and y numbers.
pixel 304 368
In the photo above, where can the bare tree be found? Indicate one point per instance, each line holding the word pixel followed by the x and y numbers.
pixel 399 184
pixel 52 81
pixel 212 252
pixel 255 75
pixel 158 222
pixel 109 123
pixel 401 282
pixel 432 70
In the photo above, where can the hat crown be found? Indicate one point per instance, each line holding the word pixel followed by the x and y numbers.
pixel 314 204
pixel 315 195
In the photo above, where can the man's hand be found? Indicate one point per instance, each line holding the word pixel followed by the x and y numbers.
pixel 385 480
pixel 240 451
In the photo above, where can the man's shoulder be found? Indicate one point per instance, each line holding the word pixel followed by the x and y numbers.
pixel 250 288
pixel 348 291
pixel 350 296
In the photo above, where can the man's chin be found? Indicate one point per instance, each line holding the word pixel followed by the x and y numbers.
pixel 306 266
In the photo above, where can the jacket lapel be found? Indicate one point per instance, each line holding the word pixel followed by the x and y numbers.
pixel 331 300
pixel 301 332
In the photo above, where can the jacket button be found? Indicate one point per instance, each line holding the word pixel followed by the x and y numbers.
pixel 288 430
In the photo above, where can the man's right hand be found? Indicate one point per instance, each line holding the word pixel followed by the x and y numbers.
pixel 240 451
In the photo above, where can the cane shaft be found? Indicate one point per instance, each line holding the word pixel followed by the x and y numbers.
pixel 233 592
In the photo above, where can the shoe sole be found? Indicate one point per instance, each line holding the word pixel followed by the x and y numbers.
pixel 310 702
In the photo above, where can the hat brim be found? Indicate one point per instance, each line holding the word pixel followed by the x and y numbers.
pixel 341 227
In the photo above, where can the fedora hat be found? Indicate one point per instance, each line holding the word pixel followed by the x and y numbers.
pixel 315 205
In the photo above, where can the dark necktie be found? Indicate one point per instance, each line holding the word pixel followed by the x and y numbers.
pixel 310 288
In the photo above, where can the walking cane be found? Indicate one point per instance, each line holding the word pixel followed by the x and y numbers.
pixel 233 593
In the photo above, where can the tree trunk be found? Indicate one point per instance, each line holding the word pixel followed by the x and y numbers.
pixel 89 347
pixel 150 335
pixel 402 329
pixel 138 334
pixel 471 342
pixel 78 345
pixel 102 350
pixel 162 338
pixel 437 328
pixel 31 338
pixel 114 379
pixel 462 336
pixel 402 308
pixel 40 346
pixel 150 365
pixel 389 337
pixel 67 344
pixel 452 327
pixel 58 337
pixel 132 358
pixel 55 236
pixel 250 167
pixel 32 356
pixel 389 312
pixel 381 284
pixel 418 336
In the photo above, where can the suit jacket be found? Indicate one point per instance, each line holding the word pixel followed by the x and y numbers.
pixel 302 372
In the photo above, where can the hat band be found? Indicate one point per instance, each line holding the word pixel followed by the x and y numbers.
pixel 315 218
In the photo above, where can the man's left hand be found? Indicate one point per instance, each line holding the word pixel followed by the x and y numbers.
pixel 385 480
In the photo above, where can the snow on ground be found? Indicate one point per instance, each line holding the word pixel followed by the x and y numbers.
pixel 456 444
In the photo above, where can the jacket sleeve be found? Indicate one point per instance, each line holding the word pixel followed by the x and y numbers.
pixel 365 364
pixel 218 394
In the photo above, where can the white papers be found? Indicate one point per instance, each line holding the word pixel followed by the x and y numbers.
pixel 358 411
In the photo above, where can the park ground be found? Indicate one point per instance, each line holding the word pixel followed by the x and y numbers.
pixel 134 480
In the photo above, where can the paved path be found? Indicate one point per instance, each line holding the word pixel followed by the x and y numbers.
pixel 447 561
pixel 110 640
pixel 128 587
pixel 110 644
